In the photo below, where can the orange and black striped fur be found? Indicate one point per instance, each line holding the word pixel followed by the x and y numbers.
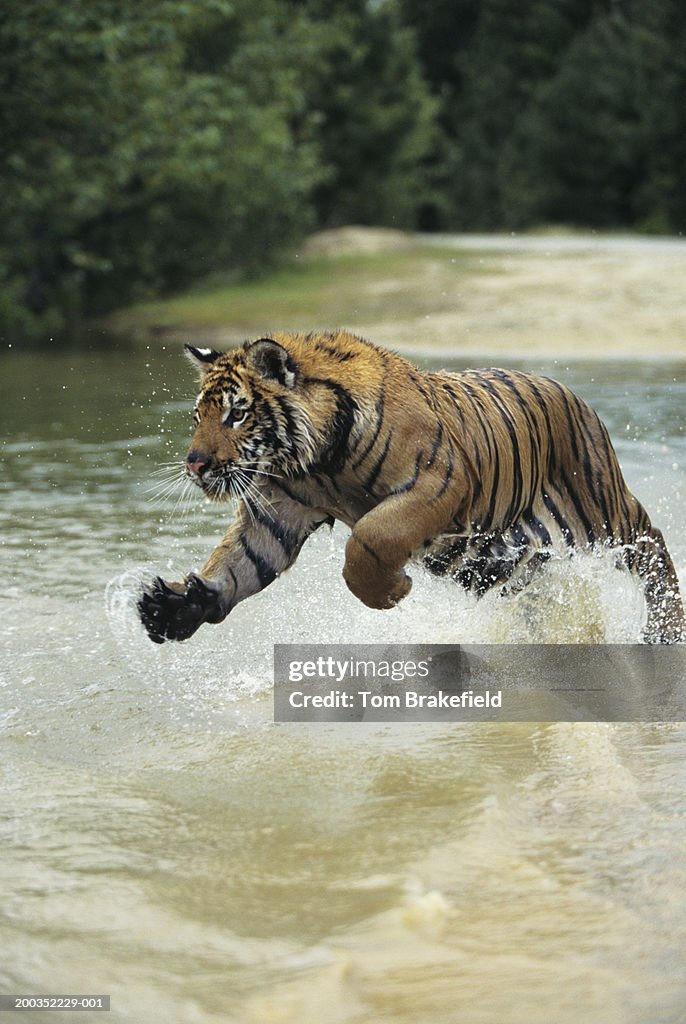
pixel 479 473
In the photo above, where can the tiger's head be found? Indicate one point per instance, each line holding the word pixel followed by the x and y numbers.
pixel 249 418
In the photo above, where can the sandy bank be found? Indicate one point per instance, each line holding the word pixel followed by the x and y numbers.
pixel 477 298
pixel 575 297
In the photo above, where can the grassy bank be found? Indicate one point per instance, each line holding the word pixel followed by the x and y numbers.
pixel 311 291
pixel 564 299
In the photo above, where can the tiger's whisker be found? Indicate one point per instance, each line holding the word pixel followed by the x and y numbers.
pixel 164 493
pixel 159 486
pixel 252 494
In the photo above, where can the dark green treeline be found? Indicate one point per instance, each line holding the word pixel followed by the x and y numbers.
pixel 147 144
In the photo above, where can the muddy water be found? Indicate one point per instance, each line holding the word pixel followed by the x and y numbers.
pixel 164 842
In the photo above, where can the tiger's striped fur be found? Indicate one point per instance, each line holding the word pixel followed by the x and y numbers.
pixel 481 473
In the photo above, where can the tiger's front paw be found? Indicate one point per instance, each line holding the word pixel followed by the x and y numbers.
pixel 379 592
pixel 370 579
pixel 174 611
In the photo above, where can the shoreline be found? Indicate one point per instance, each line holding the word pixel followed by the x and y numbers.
pixel 460 297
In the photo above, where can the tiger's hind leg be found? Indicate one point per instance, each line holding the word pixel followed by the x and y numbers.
pixel 479 575
pixel 649 560
pixel 477 572
pixel 495 563
pixel 528 571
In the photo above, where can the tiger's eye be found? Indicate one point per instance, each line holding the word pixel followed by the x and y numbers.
pixel 235 417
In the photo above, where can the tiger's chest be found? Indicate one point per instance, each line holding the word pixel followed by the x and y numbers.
pixel 344 497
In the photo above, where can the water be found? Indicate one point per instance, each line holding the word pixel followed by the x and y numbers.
pixel 165 843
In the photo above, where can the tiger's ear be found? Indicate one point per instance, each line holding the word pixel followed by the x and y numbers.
pixel 201 358
pixel 272 362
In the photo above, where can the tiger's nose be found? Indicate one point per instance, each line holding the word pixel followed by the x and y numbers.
pixel 197 463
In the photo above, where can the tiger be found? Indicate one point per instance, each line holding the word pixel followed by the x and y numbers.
pixel 480 474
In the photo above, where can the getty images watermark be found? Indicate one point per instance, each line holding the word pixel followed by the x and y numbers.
pixel 471 683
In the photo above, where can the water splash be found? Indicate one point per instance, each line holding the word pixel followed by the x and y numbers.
pixel 121 597
pixel 576 599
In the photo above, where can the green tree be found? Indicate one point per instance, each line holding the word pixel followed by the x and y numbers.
pixel 374 113
pixel 576 153
pixel 661 92
pixel 556 110
pixel 485 59
pixel 145 144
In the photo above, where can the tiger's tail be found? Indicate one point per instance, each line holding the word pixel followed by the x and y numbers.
pixel 648 559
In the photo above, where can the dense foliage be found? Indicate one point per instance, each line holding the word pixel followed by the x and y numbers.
pixel 148 144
